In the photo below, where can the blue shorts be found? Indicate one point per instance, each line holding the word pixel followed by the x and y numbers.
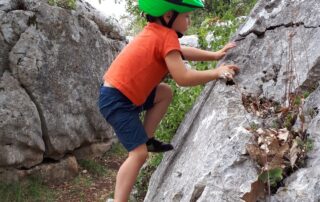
pixel 123 116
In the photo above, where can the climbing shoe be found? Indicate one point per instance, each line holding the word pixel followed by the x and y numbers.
pixel 157 146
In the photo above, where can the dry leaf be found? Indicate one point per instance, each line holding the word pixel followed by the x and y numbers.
pixel 272 131
pixel 283 150
pixel 254 106
pixel 283 134
pixel 264 147
pixel 257 154
pixel 302 118
pixel 276 162
pixel 257 191
pixel 261 140
pixel 260 131
pixel 258 114
pixel 274 147
pixel 283 110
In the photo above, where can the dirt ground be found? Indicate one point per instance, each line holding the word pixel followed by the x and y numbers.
pixel 90 187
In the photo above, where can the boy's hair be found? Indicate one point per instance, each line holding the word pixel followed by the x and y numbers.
pixel 151 18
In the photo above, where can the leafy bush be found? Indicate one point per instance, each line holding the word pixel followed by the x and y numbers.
pixel 68 4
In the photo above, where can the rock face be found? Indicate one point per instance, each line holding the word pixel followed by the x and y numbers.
pixel 51 65
pixel 280 40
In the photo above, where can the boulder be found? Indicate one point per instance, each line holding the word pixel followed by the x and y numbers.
pixel 51 67
pixel 278 52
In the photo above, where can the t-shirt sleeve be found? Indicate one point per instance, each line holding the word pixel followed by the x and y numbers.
pixel 171 43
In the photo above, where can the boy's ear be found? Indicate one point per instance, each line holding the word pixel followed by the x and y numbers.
pixel 167 16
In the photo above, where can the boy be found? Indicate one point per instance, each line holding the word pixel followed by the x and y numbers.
pixel 133 82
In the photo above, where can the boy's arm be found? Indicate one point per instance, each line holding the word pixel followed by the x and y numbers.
pixel 196 54
pixel 189 77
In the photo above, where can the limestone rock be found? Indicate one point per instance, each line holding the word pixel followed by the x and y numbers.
pixel 280 40
pixel 49 172
pixel 93 150
pixel 21 142
pixel 51 67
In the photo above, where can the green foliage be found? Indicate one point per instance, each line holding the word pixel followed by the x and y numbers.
pixel 272 176
pixel 254 126
pixel 93 167
pixel 276 124
pixel 218 21
pixel 306 145
pixel 297 101
pixel 29 191
pixel 138 21
pixel 215 10
pixel 238 7
pixel 219 30
pixel 288 121
pixel 67 4
pixel 145 174
pixel 306 94
pixel 182 102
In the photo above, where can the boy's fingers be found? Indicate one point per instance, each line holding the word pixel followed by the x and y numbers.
pixel 235 68
pixel 227 75
pixel 232 44
pixel 232 72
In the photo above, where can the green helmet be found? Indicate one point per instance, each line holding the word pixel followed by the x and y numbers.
pixel 157 8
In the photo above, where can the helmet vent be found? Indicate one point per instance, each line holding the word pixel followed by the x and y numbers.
pixel 181 3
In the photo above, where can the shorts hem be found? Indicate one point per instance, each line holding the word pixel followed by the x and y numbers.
pixel 133 146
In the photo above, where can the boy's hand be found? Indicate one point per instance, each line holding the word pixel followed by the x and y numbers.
pixel 221 53
pixel 227 72
pixel 228 46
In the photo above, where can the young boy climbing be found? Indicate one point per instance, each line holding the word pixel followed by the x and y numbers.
pixel 132 83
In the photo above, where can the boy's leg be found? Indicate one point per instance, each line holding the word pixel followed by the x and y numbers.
pixel 154 115
pixel 128 173
pixel 124 118
pixel 161 102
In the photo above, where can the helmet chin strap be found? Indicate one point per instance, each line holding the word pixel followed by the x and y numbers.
pixel 170 23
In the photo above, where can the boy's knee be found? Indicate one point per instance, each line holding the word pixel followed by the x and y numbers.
pixel 166 90
pixel 141 157
pixel 140 153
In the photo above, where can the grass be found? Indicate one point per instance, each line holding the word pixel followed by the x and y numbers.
pixel 98 179
pixel 93 167
pixel 82 181
pixel 117 150
pixel 32 190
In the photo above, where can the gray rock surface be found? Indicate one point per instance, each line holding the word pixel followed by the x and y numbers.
pixel 54 172
pixel 51 65
pixel 280 40
pixel 19 112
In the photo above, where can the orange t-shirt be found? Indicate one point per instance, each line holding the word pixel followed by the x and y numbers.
pixel 141 66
